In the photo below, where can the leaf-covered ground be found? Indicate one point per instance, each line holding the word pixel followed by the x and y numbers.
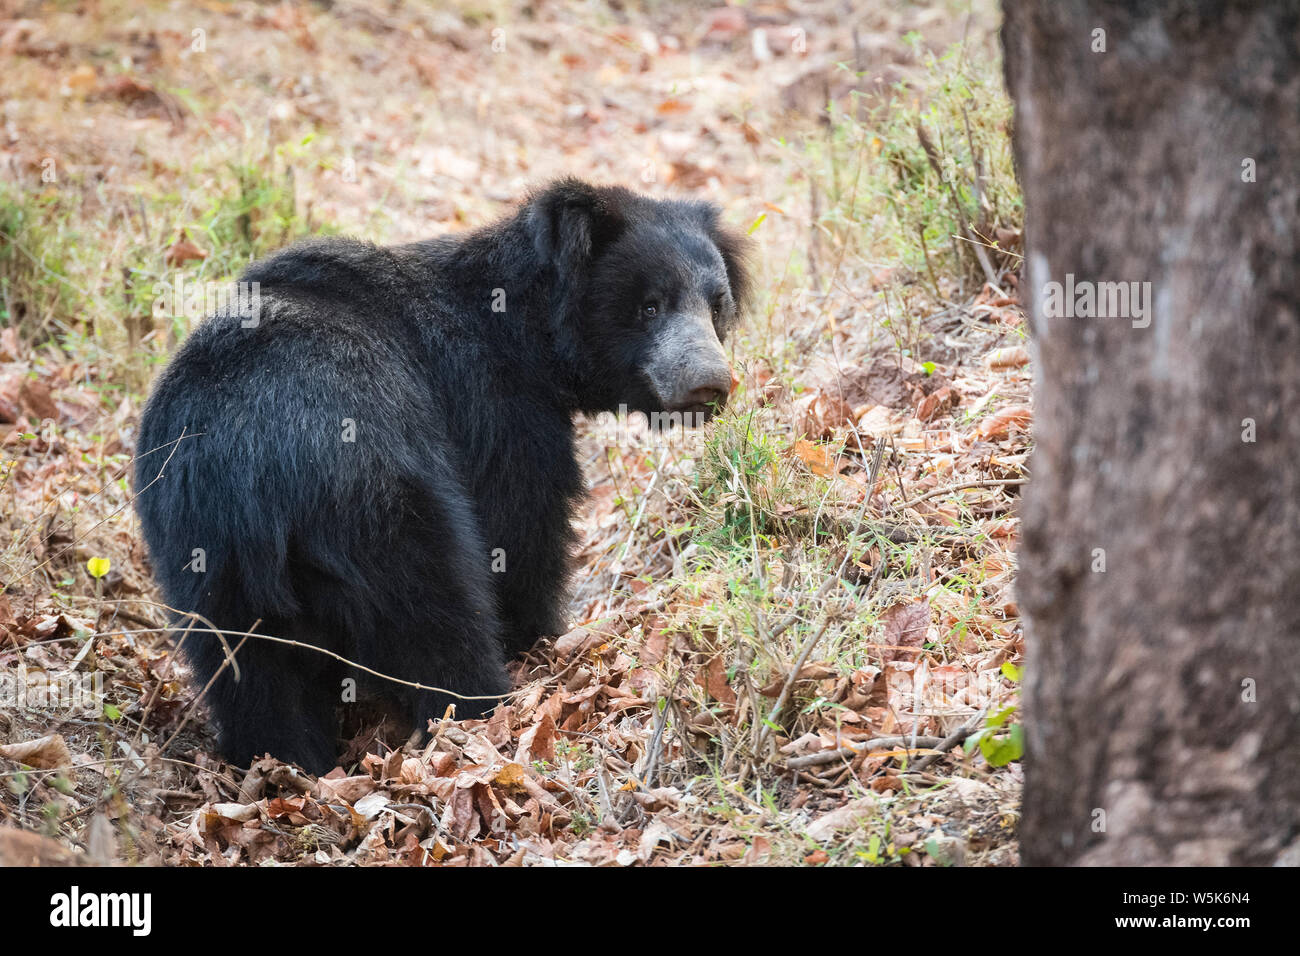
pixel 796 637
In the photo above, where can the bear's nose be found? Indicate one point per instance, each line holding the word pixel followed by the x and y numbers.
pixel 706 395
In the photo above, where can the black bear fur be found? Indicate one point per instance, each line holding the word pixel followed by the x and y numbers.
pixel 455 367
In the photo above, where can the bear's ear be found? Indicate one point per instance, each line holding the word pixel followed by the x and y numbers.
pixel 571 222
pixel 736 249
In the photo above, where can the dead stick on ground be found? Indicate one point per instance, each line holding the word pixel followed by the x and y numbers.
pixel 952 740
pixel 792 619
pixel 843 753
pixel 790 679
pixel 982 483
pixel 656 744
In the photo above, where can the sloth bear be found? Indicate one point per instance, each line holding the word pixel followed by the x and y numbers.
pixel 378 459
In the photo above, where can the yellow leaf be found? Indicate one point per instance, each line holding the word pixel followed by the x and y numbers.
pixel 510 776
pixel 98 567
pixel 816 458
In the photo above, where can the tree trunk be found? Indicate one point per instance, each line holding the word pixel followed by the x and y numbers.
pixel 1160 563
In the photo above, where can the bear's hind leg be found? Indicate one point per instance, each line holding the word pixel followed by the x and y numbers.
pixel 435 618
pixel 283 703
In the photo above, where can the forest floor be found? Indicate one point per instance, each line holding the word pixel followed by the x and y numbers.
pixel 795 635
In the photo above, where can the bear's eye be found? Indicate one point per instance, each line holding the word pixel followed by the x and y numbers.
pixel 650 309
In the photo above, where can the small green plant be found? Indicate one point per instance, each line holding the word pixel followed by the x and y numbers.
pixel 62 281
pixel 35 248
pixel 999 749
pixel 254 218
pixel 925 178
pixel 881 850
pixel 743 484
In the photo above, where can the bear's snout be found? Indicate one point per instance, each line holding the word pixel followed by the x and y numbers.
pixel 688 367
pixel 702 387
pixel 706 395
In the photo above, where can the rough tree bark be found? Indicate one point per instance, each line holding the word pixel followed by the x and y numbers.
pixel 1162 702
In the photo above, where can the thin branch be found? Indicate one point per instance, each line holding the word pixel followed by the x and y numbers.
pixel 852 750
pixel 983 483
pixel 952 740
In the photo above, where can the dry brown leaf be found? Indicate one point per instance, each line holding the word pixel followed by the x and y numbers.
pixel 10 347
pixel 938 401
pixel 44 753
pixel 537 742
pixel 20 848
pixel 35 398
pixel 843 818
pixel 906 625
pixel 371 804
pixel 820 414
pixel 1012 357
pixel 877 421
pixel 671 107
pixel 129 89
pixel 236 812
pixel 816 457
pixel 82 80
pixel 287 807
pixel 723 24
pixel 182 251
pixel 815 671
pixel 413 770
pixel 655 644
pixel 346 789
pixel 713 678
pixel 1000 423
pixel 580 639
